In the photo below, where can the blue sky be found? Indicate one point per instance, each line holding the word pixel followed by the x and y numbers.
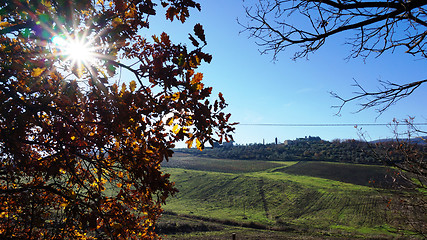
pixel 260 91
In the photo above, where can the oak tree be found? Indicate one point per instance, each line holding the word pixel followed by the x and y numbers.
pixel 80 147
pixel 372 27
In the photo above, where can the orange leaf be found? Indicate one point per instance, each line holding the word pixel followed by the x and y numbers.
pixel 197 78
pixel 189 143
pixel 175 96
pixel 37 72
pixel 132 85
pixel 123 90
pixel 176 129
pixel 170 122
pixel 199 144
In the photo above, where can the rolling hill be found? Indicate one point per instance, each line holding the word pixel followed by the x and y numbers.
pixel 311 199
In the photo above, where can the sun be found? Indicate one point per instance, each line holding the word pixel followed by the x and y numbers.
pixel 78 51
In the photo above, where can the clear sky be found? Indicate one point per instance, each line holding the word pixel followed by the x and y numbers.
pixel 260 91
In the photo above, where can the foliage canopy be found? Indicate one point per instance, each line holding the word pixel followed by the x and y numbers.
pixel 80 152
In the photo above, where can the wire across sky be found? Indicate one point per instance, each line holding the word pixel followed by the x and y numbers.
pixel 322 124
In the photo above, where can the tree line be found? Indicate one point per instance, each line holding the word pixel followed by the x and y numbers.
pixel 348 151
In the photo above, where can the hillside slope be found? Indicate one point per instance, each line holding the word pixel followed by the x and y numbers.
pixel 279 200
pixel 365 175
pixel 310 198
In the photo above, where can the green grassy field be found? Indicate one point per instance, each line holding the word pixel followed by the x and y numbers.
pixel 274 200
pixel 366 175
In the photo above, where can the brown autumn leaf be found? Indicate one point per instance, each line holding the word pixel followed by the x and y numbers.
pixel 71 131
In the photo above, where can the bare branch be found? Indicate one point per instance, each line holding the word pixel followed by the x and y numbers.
pixel 377 27
pixel 272 24
pixel 389 94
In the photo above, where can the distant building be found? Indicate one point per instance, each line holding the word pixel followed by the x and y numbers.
pixel 309 139
pixel 303 140
pixel 224 144
pixel 228 144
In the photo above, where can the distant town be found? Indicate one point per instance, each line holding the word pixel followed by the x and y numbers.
pixel 286 142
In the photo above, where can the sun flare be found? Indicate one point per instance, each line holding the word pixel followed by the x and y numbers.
pixel 77 51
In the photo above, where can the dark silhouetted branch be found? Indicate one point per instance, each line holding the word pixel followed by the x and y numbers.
pixel 388 95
